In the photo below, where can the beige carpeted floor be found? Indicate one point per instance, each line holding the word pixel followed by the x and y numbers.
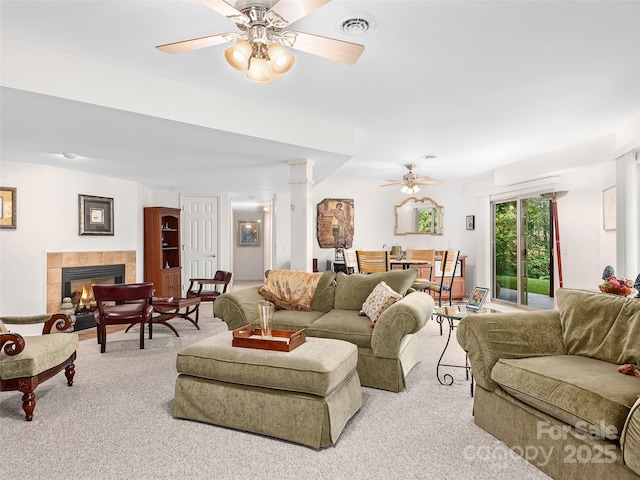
pixel 116 423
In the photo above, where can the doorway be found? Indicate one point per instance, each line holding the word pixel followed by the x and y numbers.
pixel 522 260
pixel 200 236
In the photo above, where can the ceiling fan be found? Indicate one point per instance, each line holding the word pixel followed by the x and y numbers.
pixel 259 47
pixel 410 181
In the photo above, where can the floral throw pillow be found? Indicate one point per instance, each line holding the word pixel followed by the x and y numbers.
pixel 381 298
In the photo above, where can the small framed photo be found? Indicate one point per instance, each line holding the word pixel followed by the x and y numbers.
pixel 471 222
pixel 8 208
pixel 609 208
pixel 477 298
pixel 248 233
pixel 95 215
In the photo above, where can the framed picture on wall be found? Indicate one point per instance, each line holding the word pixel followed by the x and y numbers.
pixel 248 233
pixel 471 222
pixel 95 215
pixel 8 208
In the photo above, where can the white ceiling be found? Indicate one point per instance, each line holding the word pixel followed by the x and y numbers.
pixel 478 83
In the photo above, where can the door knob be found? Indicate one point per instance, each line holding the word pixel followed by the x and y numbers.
pixel 213 255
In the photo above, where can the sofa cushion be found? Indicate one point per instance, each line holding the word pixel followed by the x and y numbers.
pixel 3 329
pixel 584 392
pixel 345 325
pixel 293 320
pixel 600 325
pixel 353 290
pixel 41 352
pixel 381 298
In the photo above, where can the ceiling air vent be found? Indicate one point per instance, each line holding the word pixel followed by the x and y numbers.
pixel 357 23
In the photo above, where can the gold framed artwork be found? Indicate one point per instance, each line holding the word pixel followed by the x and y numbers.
pixel 609 208
pixel 95 215
pixel 8 208
pixel 248 233
pixel 335 223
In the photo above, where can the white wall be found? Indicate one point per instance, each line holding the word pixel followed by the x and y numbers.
pixel 47 221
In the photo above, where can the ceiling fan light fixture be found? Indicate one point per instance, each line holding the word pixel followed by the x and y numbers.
pixel 258 69
pixel 238 56
pixel 281 60
pixel 410 189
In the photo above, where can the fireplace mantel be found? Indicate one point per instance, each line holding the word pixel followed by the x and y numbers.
pixel 56 261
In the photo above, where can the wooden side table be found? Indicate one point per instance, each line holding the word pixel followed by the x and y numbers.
pixel 169 310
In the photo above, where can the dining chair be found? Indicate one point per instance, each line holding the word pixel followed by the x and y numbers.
pixel 445 273
pixel 425 260
pixel 27 361
pixel 373 261
pixel 121 304
pixel 350 261
pixel 208 289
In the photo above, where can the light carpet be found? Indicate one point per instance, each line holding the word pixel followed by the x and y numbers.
pixel 116 423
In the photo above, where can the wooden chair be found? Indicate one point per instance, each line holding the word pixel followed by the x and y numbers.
pixel 421 256
pixel 216 286
pixel 26 362
pixel 350 261
pixel 446 274
pixel 132 305
pixel 372 261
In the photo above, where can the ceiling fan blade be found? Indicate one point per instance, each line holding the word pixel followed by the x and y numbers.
pixel 331 48
pixel 194 43
pixel 290 10
pixel 224 8
pixel 431 181
pixel 391 184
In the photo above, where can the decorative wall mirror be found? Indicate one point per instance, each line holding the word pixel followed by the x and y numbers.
pixel 419 216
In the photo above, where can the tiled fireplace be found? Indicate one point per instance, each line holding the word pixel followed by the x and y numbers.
pixel 57 261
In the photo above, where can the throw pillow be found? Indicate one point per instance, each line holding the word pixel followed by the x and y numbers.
pixel 381 298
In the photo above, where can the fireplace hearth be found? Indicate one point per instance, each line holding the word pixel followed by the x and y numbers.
pixel 76 284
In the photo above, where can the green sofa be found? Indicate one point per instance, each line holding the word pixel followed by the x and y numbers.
pixel 386 352
pixel 548 385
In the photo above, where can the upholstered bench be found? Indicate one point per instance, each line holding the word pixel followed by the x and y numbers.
pixel 305 396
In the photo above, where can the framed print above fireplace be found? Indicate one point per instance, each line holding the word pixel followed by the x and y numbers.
pixel 95 215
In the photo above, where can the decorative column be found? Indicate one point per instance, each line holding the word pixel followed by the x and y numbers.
pixel 627 211
pixel 301 187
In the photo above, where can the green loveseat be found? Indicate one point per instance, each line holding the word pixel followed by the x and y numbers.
pixel 548 383
pixel 386 352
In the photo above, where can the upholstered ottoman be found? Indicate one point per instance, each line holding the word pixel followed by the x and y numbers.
pixel 305 396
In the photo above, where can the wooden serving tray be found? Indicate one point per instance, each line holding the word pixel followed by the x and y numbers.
pixel 282 340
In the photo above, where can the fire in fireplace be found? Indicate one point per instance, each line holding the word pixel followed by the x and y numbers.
pixel 76 284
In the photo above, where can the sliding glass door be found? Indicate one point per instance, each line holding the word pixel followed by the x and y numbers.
pixel 522 245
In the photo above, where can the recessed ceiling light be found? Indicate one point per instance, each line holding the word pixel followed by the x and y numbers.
pixel 356 23
pixel 69 155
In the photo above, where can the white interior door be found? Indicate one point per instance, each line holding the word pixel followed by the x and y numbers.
pixel 200 230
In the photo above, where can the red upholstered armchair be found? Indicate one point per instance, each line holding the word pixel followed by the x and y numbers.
pixel 215 287
pixel 131 305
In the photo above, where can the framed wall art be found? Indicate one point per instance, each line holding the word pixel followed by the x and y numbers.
pixel 335 222
pixel 95 215
pixel 8 208
pixel 471 222
pixel 609 208
pixel 248 233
